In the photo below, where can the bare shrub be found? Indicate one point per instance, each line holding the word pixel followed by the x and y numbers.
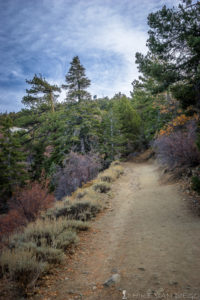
pixel 25 205
pixel 10 222
pixel 30 201
pixel 179 148
pixel 77 169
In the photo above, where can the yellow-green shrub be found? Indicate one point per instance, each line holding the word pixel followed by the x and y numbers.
pixel 102 187
pixel 22 265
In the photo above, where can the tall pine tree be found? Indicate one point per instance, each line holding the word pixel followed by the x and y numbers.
pixel 77 82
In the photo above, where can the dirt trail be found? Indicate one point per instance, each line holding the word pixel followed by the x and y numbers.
pixel 148 236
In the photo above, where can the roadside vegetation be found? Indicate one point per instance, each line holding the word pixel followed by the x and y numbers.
pixel 32 250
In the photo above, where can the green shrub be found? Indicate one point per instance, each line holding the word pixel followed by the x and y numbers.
pixel 83 211
pixel 61 211
pixel 50 255
pixel 77 210
pixel 78 225
pixel 119 171
pixel 65 239
pixel 107 178
pixel 43 253
pixel 42 233
pixel 196 184
pixel 102 187
pixel 22 266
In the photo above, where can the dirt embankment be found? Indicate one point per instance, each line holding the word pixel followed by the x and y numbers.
pixel 148 236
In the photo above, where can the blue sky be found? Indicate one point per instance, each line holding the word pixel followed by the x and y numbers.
pixel 42 36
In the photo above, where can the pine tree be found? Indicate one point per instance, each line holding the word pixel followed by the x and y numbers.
pixel 12 166
pixel 173 59
pixel 77 82
pixel 129 123
pixel 41 93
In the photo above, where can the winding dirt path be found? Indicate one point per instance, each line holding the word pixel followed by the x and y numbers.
pixel 148 236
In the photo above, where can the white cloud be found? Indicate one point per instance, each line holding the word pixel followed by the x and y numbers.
pixel 105 30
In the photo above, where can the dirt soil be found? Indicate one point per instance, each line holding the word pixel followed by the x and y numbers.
pixel 148 236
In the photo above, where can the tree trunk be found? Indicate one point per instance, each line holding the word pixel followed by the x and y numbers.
pixel 82 146
pixel 52 103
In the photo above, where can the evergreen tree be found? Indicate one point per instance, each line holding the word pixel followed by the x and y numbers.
pixel 82 124
pixel 129 123
pixel 173 59
pixel 77 82
pixel 149 109
pixel 40 93
pixel 12 162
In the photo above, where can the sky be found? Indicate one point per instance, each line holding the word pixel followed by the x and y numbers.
pixel 43 36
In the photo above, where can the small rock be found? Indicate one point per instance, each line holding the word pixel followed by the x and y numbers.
pixel 94 287
pixel 161 290
pixel 150 292
pixel 171 282
pixel 66 278
pixel 114 270
pixel 85 272
pixel 112 280
pixel 188 287
pixel 141 269
pixel 71 292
